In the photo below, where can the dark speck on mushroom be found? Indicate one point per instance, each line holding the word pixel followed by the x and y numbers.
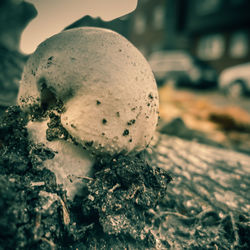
pixel 125 132
pixel 49 62
pixel 131 122
pixel 118 114
pixel 89 143
pixel 151 96
pixel 98 102
pixel 104 121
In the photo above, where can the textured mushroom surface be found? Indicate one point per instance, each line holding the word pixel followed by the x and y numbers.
pixel 106 85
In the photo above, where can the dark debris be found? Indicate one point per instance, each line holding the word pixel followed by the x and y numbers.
pixel 125 205
pixel 121 194
pixel 111 211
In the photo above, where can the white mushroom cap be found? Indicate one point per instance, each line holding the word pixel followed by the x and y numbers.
pixel 107 87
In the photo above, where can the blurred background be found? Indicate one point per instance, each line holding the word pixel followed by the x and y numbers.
pixel 199 51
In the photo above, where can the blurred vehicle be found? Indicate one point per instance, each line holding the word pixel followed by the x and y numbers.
pixel 235 81
pixel 182 68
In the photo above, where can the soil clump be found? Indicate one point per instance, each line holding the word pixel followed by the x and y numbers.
pixel 112 210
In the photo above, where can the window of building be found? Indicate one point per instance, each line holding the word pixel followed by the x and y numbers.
pixel 238 2
pixel 238 46
pixel 140 23
pixel 159 17
pixel 204 7
pixel 211 47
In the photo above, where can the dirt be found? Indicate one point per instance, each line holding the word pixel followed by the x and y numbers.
pixel 128 204
pixel 112 210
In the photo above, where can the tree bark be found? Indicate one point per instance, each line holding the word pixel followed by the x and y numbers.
pixel 209 196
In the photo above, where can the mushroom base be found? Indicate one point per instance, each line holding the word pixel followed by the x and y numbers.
pixel 71 163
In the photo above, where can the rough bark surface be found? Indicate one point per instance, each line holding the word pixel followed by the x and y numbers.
pixel 208 200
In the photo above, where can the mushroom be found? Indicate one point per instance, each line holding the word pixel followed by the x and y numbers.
pixel 108 92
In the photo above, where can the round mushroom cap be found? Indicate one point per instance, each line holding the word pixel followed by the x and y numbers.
pixel 106 85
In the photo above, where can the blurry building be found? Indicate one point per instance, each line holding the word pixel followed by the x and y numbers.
pixel 154 25
pixel 219 31
pixel 147 25
pixel 157 25
pixel 216 31
pixel 119 25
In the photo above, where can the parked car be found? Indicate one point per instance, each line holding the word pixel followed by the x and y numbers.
pixel 235 81
pixel 183 68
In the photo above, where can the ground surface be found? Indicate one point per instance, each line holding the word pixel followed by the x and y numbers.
pixel 129 203
pixel 207 205
pixel 211 115
pixel 110 211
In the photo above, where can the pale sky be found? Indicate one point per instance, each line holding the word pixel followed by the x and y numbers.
pixel 54 15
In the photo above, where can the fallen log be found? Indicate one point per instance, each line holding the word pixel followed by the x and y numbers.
pixel 208 201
